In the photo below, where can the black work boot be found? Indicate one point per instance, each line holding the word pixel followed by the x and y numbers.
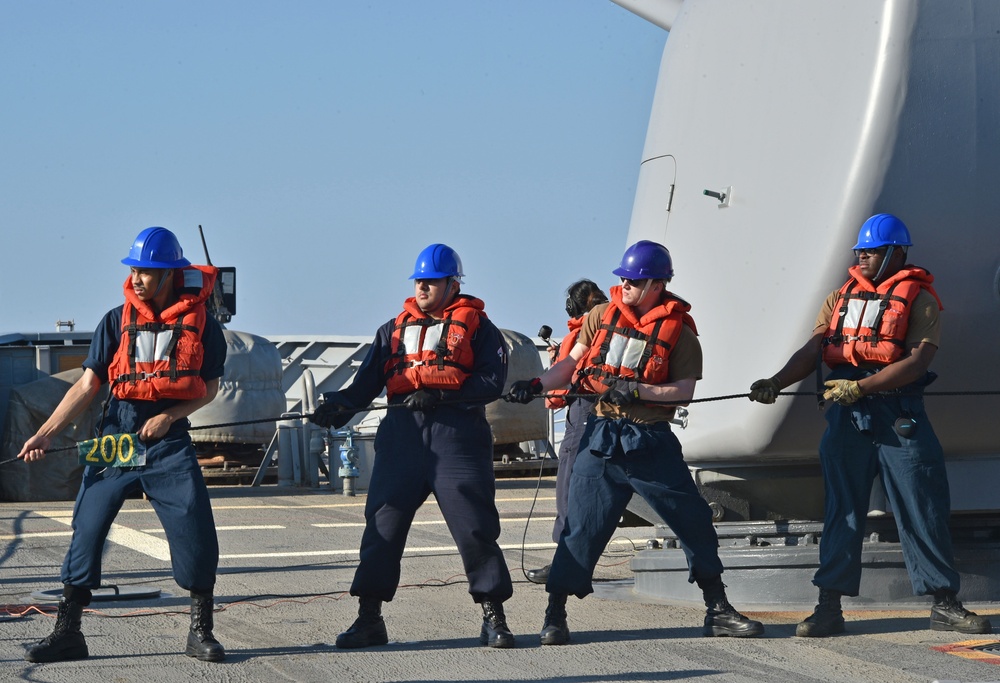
pixel 539 575
pixel 826 620
pixel 66 641
pixel 947 614
pixel 201 644
pixel 555 631
pixel 368 629
pixel 721 618
pixel 495 632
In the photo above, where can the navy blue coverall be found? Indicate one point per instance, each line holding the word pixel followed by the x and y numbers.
pixel 447 451
pixel 859 443
pixel 171 478
pixel 576 422
pixel 616 458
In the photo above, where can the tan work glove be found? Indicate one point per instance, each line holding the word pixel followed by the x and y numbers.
pixel 764 390
pixel 842 391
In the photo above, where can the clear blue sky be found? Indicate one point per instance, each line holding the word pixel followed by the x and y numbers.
pixel 321 145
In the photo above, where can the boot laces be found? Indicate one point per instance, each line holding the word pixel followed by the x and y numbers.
pixel 555 614
pixel 494 614
pixel 950 603
pixel 64 621
pixel 722 606
pixel 62 624
pixel 202 618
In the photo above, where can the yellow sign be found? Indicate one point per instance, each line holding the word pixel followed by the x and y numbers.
pixel 112 450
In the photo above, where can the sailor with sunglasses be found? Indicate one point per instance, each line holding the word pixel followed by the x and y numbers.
pixel 878 334
pixel 639 355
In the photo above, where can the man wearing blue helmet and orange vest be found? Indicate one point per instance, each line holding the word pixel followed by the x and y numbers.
pixel 440 362
pixel 639 355
pixel 163 357
pixel 878 334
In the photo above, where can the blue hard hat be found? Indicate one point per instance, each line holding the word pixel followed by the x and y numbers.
pixel 156 248
pixel 883 229
pixel 437 261
pixel 646 259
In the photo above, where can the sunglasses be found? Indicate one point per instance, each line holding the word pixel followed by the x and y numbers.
pixel 877 251
pixel 633 282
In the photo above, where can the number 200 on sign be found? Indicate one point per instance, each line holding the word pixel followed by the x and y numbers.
pixel 113 450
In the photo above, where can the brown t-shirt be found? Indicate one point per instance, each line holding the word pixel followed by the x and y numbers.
pixel 685 362
pixel 924 324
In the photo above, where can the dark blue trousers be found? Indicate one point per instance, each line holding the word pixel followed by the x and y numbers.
pixel 576 421
pixel 859 443
pixel 176 489
pixel 617 458
pixel 447 452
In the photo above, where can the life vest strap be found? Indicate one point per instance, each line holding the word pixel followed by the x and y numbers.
pixel 131 330
pixel 176 328
pixel 173 374
pixel 883 305
pixel 647 352
pixel 441 350
pixel 870 338
pixel 399 368
pixel 651 340
pixel 840 338
pixel 606 344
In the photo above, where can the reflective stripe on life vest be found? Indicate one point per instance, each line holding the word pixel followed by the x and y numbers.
pixel 869 323
pixel 160 355
pixel 429 352
pixel 636 349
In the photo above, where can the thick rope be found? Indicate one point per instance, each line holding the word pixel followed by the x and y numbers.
pixel 308 416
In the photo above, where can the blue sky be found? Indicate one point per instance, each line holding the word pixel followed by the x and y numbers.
pixel 321 145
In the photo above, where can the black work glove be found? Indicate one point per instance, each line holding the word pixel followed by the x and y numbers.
pixel 331 415
pixel 524 390
pixel 622 393
pixel 421 399
pixel 764 390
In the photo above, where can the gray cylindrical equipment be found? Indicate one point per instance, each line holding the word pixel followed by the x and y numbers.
pixel 314 451
pixel 286 468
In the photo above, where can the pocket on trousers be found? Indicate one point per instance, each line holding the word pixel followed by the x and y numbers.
pixel 589 466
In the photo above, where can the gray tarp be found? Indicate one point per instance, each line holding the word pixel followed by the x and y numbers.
pixel 514 422
pixel 57 477
pixel 250 390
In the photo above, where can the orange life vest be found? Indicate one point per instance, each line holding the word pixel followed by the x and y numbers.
pixel 429 352
pixel 160 355
pixel 869 323
pixel 556 399
pixel 633 348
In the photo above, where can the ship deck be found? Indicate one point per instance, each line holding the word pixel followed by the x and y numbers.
pixel 288 558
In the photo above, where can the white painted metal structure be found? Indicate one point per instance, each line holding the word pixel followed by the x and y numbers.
pixel 809 117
